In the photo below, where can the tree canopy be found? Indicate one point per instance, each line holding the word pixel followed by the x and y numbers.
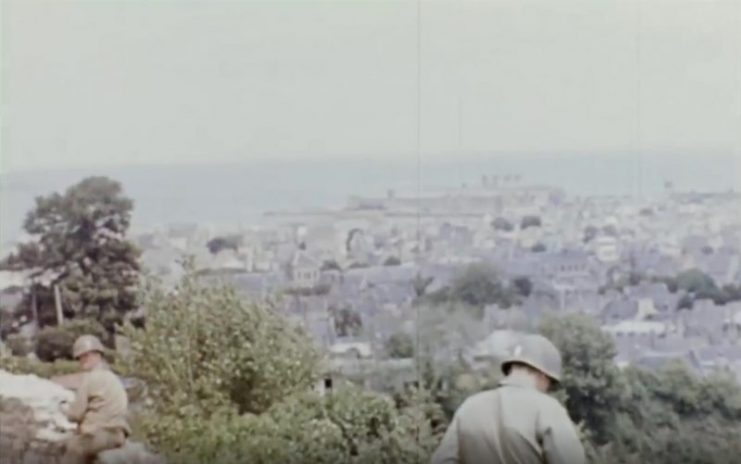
pixel 79 244
pixel 530 221
pixel 501 223
pixel 400 345
pixel 229 242
pixel 477 285
pixel 633 415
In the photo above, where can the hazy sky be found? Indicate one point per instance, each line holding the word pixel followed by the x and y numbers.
pixel 193 81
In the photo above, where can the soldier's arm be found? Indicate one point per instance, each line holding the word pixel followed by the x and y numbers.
pixel 78 408
pixel 447 452
pixel 559 438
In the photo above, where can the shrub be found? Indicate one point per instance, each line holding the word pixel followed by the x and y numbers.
pixel 400 345
pixel 502 224
pixel 530 221
pixel 55 342
pixel 19 345
pixel 331 265
pixel 349 426
pixel 538 248
pixel 231 381
pixel 28 366
pixel 204 347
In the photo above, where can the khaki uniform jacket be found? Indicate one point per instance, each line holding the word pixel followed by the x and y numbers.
pixel 101 402
pixel 514 424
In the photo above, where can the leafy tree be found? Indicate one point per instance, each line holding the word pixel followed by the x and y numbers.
pixel 718 296
pixel 347 322
pixel 670 282
pixel 316 290
pixel 19 345
pixel 331 265
pixel 445 331
pixel 501 223
pixel 686 302
pixel 538 248
pixel 634 415
pixel 635 278
pixel 218 244
pixel 463 382
pixel 732 292
pixel 79 243
pixel 591 381
pixel 694 281
pixel 477 286
pixel 480 285
pixel 590 232
pixel 675 416
pixel 392 261
pixel 523 285
pixel 400 345
pixel 421 284
pixel 530 221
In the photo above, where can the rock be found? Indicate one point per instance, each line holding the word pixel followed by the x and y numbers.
pixel 130 453
pixel 34 426
pixel 39 401
pixel 31 419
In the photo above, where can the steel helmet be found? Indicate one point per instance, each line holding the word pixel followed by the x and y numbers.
pixel 537 352
pixel 85 344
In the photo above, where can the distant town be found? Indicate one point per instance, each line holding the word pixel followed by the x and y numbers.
pixel 358 276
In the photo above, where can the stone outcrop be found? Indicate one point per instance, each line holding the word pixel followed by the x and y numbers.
pixel 33 426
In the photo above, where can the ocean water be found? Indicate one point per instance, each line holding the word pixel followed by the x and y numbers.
pixel 236 194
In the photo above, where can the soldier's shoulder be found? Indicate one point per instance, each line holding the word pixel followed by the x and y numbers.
pixel 538 399
pixel 551 404
pixel 477 399
pixel 103 375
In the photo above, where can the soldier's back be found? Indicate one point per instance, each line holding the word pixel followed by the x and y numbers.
pixel 503 426
pixel 107 401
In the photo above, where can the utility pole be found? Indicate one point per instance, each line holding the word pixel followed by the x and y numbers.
pixel 34 307
pixel 58 305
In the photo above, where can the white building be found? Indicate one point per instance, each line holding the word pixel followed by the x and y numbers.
pixel 606 249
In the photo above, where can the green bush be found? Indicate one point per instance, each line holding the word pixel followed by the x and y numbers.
pixel 636 416
pixel 205 347
pixel 476 285
pixel 231 382
pixel 530 221
pixel 392 261
pixel 27 366
pixel 19 345
pixel 55 342
pixel 400 345
pixel 349 426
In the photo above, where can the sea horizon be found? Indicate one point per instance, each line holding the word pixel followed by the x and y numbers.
pixel 240 193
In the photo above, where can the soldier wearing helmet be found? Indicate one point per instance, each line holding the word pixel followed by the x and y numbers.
pixel 100 406
pixel 517 422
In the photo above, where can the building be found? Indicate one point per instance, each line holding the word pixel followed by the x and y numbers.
pixel 304 271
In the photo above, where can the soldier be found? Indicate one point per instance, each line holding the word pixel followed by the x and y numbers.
pixel 99 408
pixel 517 423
